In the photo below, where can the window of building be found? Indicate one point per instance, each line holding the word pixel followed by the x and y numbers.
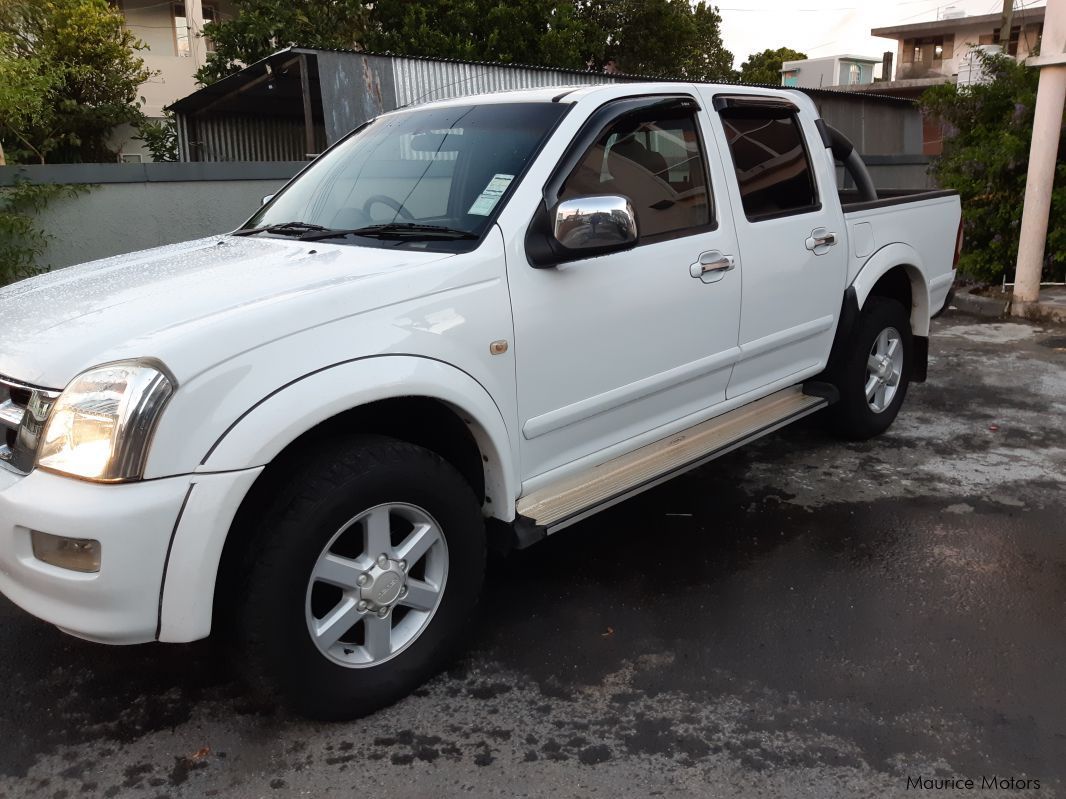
pixel 656 163
pixel 791 78
pixel 1012 42
pixel 854 74
pixel 927 49
pixel 771 162
pixel 183 32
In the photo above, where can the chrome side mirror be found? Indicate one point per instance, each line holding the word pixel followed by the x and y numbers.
pixel 603 223
pixel 267 198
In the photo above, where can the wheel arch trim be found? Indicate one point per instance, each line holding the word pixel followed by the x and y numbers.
pixel 264 430
pixel 233 464
pixel 893 256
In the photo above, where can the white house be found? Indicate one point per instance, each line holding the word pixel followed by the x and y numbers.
pixel 834 70
pixel 177 48
pixel 932 52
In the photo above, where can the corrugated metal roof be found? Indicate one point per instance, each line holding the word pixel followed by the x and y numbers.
pixel 414 74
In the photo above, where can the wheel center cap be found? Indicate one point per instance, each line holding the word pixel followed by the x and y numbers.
pixel 384 587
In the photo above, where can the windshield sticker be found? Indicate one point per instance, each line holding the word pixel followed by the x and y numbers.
pixel 487 200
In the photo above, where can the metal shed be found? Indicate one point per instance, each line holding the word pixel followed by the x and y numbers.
pixel 296 102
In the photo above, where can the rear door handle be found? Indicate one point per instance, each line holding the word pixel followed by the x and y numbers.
pixel 711 266
pixel 820 238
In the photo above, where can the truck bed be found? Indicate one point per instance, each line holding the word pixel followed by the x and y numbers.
pixel 923 220
pixel 849 198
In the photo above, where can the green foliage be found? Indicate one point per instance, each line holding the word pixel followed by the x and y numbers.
pixel 26 88
pixel 160 137
pixel 765 67
pixel 261 27
pixel 21 240
pixel 533 32
pixel 655 37
pixel 69 73
pixel 671 38
pixel 985 159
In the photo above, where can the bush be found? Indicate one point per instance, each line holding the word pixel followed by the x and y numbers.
pixel 160 137
pixel 985 159
pixel 22 242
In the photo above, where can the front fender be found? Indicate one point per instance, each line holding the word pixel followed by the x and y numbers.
pixel 886 259
pixel 263 431
pixel 238 456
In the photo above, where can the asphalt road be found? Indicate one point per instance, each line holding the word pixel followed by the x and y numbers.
pixel 801 618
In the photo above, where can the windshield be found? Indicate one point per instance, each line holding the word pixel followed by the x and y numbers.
pixel 431 178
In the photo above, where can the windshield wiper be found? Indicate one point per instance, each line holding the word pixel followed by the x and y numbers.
pixel 283 229
pixel 394 229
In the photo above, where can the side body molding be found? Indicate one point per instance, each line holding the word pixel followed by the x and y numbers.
pixel 885 259
pixel 277 420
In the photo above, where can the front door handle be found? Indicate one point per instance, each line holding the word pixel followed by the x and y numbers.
pixel 820 238
pixel 711 266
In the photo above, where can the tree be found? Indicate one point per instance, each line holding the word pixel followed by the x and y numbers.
pixel 657 37
pixel 70 72
pixel 539 32
pixel 668 38
pixel 986 158
pixel 27 95
pixel 261 27
pixel 765 67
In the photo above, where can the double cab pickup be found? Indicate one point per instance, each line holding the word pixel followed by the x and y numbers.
pixel 469 324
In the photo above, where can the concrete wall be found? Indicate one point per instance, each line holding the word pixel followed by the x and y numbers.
pixel 136 206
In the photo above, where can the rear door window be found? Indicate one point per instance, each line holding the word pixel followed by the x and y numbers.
pixel 772 165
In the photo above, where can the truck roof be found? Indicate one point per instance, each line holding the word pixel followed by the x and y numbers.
pixel 576 93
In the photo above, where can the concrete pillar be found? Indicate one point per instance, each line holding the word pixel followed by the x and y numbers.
pixel 1047 122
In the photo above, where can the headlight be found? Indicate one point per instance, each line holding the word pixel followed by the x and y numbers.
pixel 102 423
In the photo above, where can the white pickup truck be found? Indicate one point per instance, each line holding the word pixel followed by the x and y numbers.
pixel 469 324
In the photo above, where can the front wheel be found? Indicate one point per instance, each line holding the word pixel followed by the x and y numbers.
pixel 873 375
pixel 362 580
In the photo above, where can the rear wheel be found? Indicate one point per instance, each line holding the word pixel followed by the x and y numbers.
pixel 362 580
pixel 873 375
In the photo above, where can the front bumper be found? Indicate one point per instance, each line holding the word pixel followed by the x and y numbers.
pixel 133 523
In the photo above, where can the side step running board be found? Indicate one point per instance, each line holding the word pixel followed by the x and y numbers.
pixel 569 500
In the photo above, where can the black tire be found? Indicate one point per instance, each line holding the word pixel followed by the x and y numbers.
pixel 331 486
pixel 852 417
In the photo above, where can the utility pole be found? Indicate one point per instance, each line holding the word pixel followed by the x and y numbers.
pixel 1005 21
pixel 1047 123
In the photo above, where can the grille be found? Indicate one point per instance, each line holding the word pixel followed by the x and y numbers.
pixel 23 412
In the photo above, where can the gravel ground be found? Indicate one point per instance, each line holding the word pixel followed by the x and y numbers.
pixel 801 618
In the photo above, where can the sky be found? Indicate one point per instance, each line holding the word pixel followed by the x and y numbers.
pixel 831 27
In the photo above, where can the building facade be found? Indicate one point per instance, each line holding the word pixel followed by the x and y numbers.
pixel 177 48
pixel 821 73
pixel 928 53
pixel 935 52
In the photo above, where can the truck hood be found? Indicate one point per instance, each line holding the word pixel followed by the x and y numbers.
pixel 54 326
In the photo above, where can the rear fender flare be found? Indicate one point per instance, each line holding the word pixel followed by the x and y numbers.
pixel 884 260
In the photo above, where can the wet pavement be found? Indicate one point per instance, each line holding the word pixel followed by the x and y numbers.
pixel 800 618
